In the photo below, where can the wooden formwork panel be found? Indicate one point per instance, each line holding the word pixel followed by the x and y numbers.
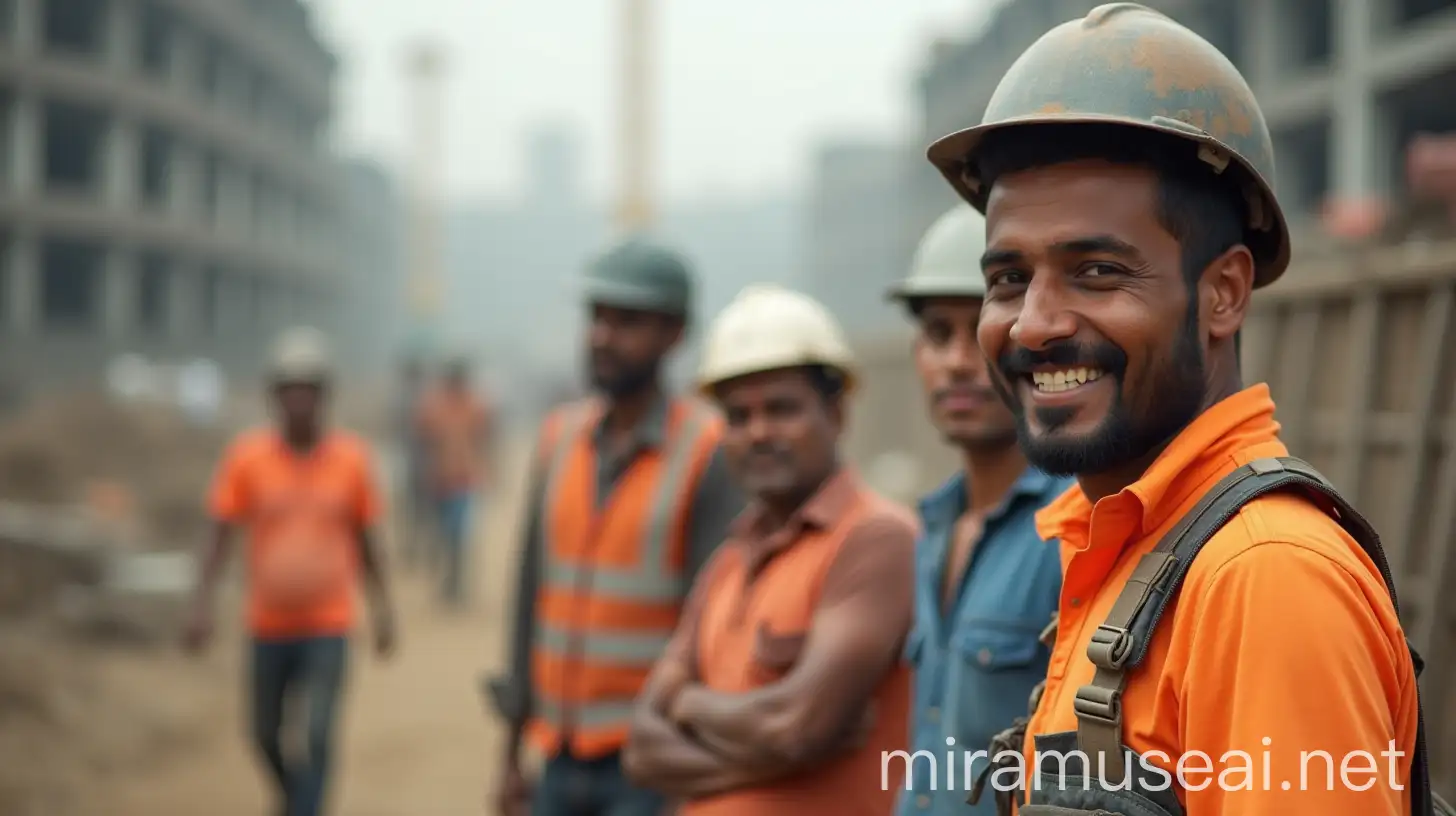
pixel 1363 369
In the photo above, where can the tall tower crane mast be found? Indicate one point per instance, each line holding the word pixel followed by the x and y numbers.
pixel 425 66
pixel 635 209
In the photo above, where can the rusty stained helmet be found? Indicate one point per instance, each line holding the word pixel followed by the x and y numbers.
pixel 1127 64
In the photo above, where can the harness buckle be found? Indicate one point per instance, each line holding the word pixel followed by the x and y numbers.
pixel 1048 636
pixel 1110 647
pixel 1098 704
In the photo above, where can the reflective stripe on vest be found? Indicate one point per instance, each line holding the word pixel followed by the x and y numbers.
pixel 618 619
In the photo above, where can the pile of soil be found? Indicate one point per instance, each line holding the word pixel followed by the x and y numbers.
pixel 146 462
pixel 75 713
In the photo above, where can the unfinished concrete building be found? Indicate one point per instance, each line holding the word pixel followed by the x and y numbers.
pixel 166 183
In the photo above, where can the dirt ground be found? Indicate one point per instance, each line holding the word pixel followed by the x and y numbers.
pixel 415 738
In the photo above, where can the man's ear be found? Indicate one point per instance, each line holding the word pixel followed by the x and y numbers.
pixel 1224 292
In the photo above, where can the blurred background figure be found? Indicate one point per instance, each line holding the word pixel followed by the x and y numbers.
pixel 304 496
pixel 455 424
pixel 410 463
pixel 629 497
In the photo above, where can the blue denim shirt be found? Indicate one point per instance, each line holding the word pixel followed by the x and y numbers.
pixel 976 663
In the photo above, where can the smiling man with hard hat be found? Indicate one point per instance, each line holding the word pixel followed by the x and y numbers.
pixel 783 689
pixel 1227 629
pixel 986 584
pixel 307 499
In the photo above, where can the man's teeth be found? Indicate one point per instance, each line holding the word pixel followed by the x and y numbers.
pixel 1054 381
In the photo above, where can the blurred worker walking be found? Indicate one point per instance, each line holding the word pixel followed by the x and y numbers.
pixel 412 487
pixel 305 497
pixel 629 498
pixel 783 685
pixel 455 425
pixel 986 584
pixel 1206 621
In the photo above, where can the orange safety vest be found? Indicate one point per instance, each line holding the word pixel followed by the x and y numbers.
pixel 612 583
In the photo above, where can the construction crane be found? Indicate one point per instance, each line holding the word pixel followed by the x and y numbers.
pixel 634 209
pixel 425 68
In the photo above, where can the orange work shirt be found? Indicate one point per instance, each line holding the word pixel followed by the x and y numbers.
pixel 1282 640
pixel 453 424
pixel 752 613
pixel 302 514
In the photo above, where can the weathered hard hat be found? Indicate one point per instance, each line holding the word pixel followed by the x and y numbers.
pixel 767 328
pixel 1127 64
pixel 948 261
pixel 300 355
pixel 636 274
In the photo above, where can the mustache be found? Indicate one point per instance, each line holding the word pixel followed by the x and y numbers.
pixel 1020 361
pixel 768 450
pixel 956 389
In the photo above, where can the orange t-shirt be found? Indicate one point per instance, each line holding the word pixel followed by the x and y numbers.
pixel 302 514
pixel 1282 642
pixel 452 424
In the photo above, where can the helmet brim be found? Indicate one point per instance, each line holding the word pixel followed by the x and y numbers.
pixel 630 296
pixel 934 287
pixel 955 156
pixel 709 384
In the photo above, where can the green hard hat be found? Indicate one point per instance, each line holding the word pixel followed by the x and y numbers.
pixel 948 261
pixel 637 274
pixel 1127 64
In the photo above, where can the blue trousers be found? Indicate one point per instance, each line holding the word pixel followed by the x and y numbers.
pixel 310 671
pixel 591 787
pixel 454 515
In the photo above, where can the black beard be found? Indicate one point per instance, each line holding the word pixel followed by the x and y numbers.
pixel 627 382
pixel 1174 398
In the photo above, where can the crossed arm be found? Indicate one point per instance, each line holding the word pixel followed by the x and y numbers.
pixel 691 741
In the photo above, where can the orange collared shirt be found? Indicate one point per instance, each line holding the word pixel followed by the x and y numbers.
pixel 1282 640
pixel 750 617
pixel 302 514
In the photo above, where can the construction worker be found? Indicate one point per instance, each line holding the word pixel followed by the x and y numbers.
pixel 629 498
pixel 1224 613
pixel 413 483
pixel 305 496
pixel 783 686
pixel 455 424
pixel 986 584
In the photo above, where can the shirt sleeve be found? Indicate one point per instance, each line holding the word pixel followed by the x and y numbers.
pixel 368 495
pixel 874 574
pixel 716 503
pixel 227 496
pixel 1296 659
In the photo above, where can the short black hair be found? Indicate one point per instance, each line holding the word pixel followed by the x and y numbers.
pixel 1204 211
pixel 827 381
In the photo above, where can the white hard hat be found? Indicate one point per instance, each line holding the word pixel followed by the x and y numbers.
pixel 768 327
pixel 300 355
pixel 948 261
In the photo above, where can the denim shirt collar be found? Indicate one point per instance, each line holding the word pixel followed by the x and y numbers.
pixel 946 504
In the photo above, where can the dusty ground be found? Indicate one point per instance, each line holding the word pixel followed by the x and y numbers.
pixel 415 739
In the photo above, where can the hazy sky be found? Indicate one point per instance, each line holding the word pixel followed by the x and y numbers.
pixel 744 89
